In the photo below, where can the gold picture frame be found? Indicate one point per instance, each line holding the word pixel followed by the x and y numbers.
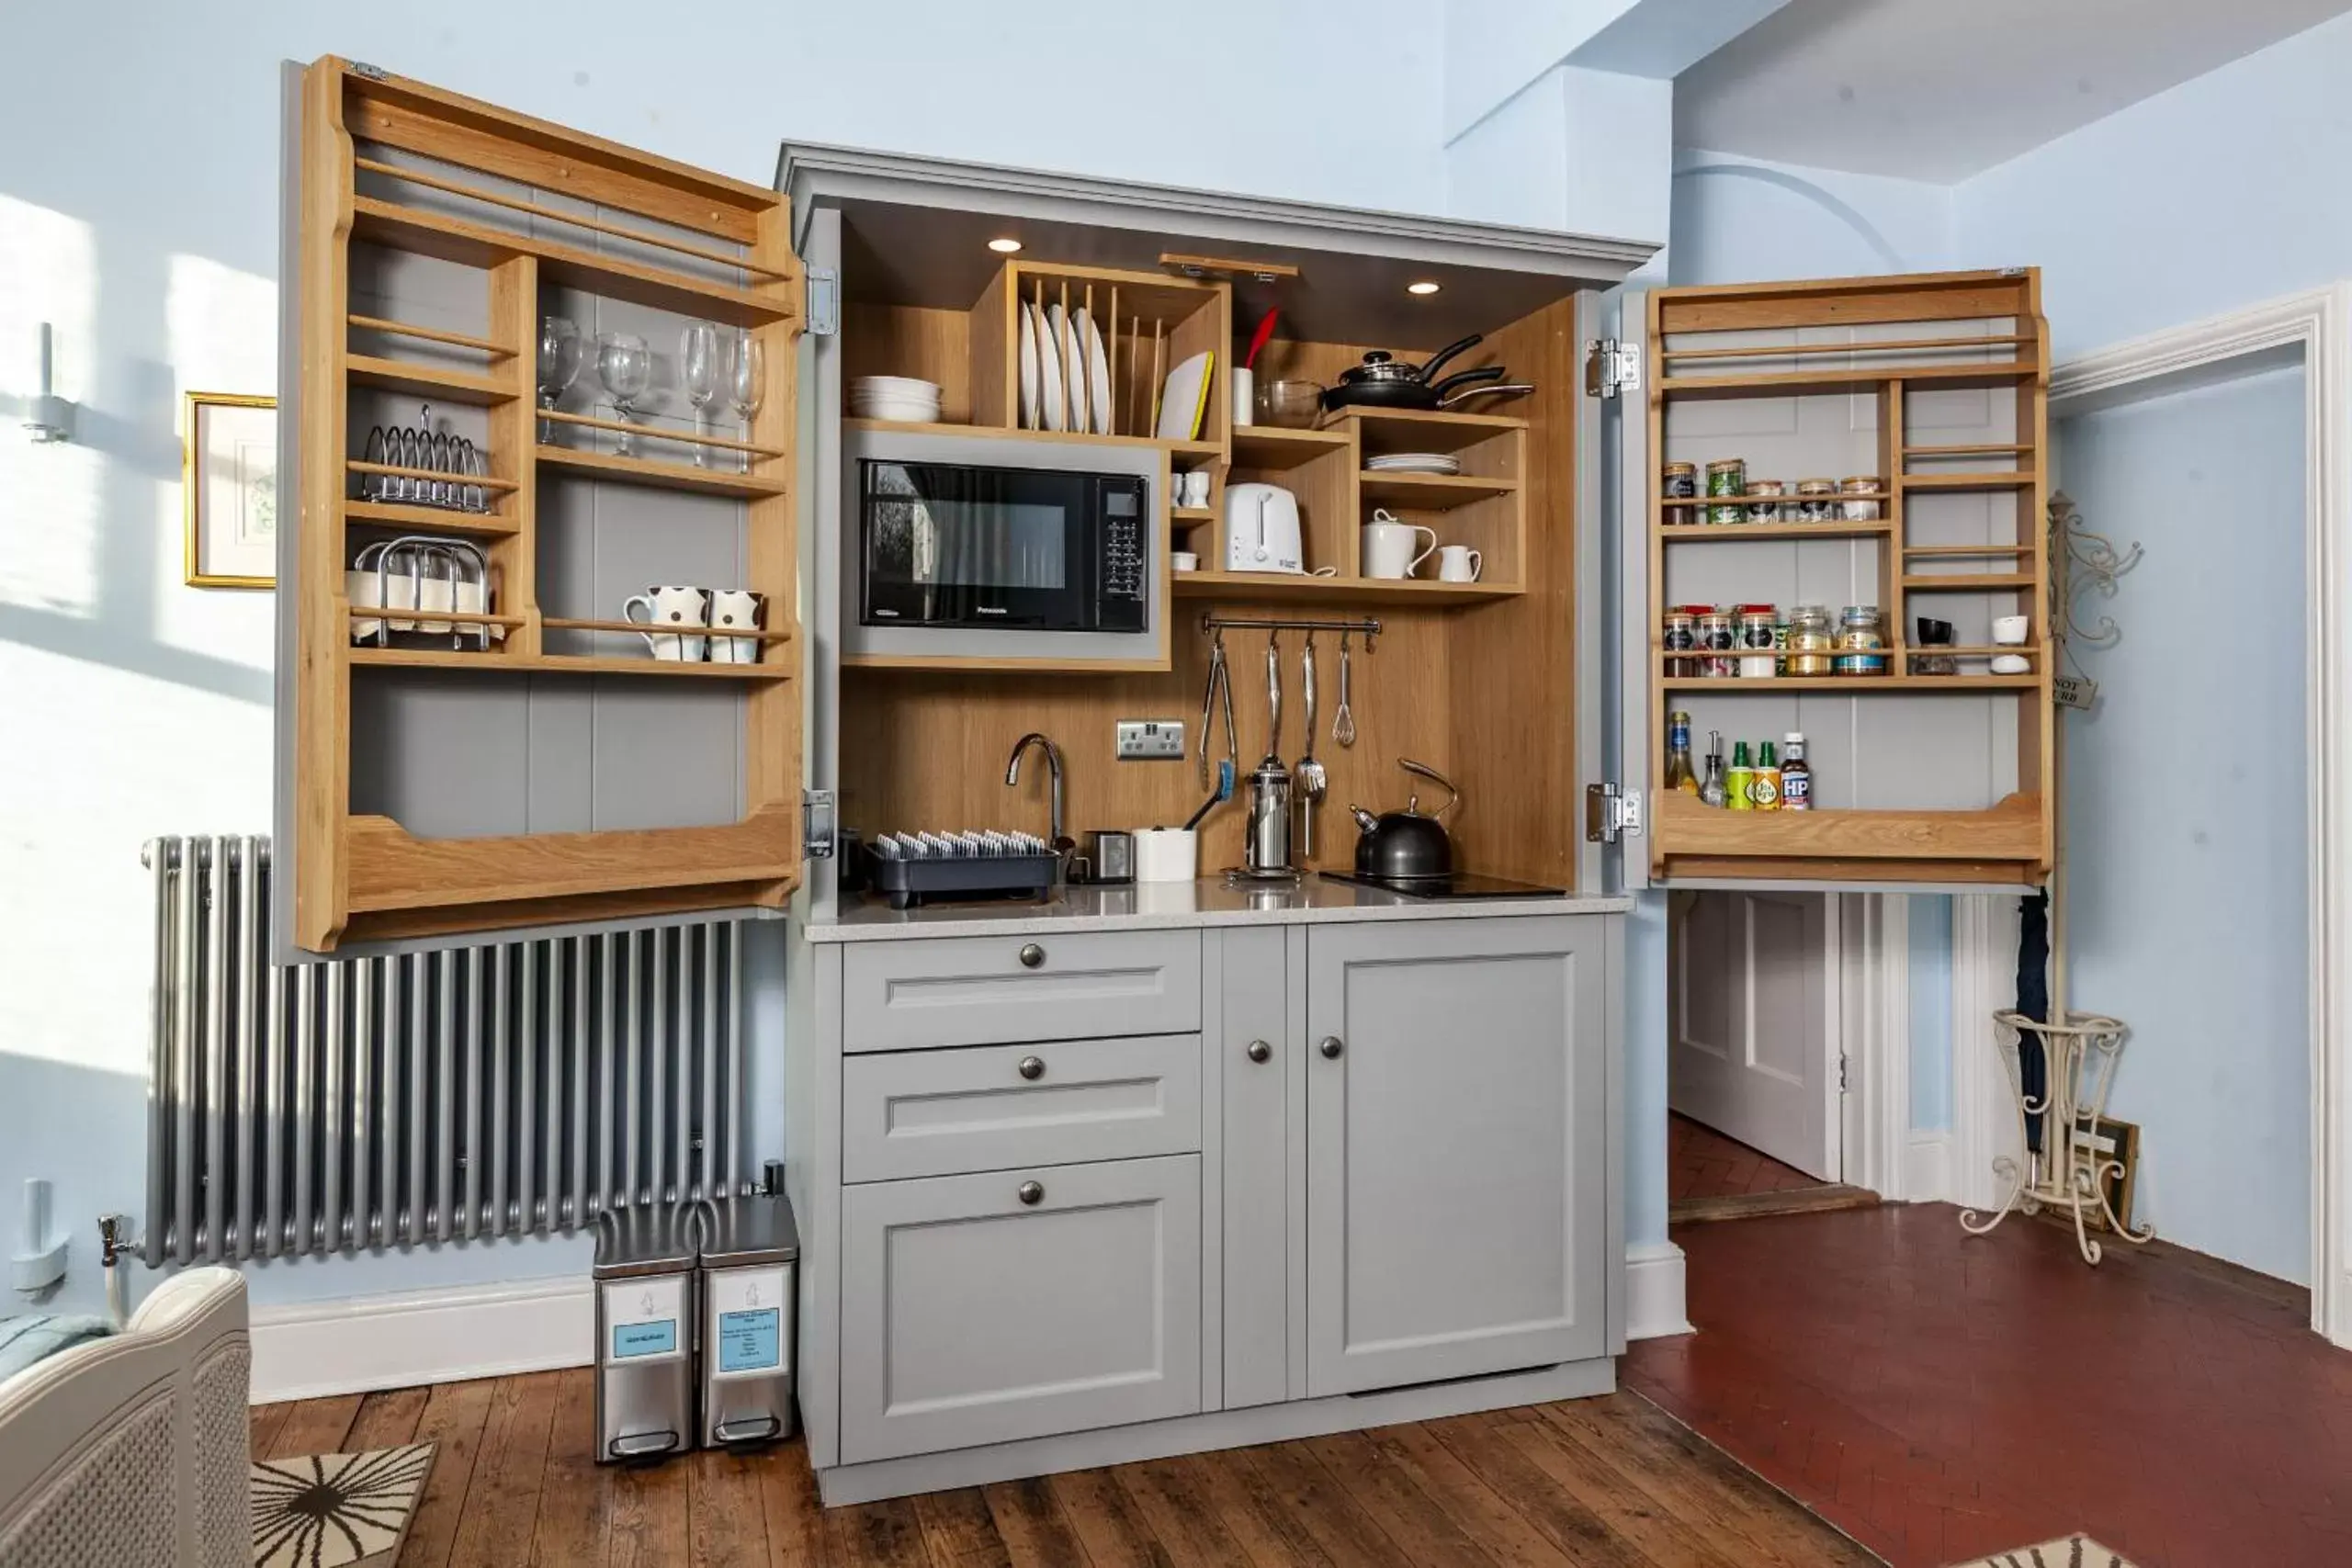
pixel 229 460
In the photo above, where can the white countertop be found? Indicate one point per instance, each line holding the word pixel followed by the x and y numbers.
pixel 1172 906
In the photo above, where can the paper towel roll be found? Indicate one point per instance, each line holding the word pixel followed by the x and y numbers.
pixel 1167 854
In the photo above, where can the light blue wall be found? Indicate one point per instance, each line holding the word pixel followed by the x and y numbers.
pixel 2186 843
pixel 139 192
pixel 2203 198
pixel 1930 1013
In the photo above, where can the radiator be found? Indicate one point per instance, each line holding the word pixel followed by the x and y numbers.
pixel 513 1089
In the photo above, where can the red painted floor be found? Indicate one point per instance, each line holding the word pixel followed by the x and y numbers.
pixel 1702 1163
pixel 1941 1397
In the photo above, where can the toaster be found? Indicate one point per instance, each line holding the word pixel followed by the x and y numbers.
pixel 1262 529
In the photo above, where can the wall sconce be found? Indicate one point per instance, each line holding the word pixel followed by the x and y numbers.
pixel 48 417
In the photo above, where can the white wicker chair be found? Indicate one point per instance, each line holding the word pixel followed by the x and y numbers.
pixel 132 1451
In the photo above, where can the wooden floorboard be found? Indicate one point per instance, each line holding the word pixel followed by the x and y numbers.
pixel 1612 1483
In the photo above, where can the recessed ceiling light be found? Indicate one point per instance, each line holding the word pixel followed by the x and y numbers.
pixel 1424 287
pixel 1004 247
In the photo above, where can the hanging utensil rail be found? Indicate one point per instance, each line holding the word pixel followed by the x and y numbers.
pixel 1366 627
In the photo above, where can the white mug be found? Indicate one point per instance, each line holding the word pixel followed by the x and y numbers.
pixel 1388 546
pixel 2011 631
pixel 672 606
pixel 1459 563
pixel 1183 560
pixel 1192 489
pixel 741 608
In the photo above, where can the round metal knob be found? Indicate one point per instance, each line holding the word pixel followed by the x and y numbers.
pixel 1032 956
pixel 1033 1068
pixel 1330 1047
pixel 1032 1192
pixel 1260 1051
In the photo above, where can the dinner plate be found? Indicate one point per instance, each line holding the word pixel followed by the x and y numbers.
pixel 1186 400
pixel 1028 368
pixel 1050 333
pixel 1099 361
pixel 1414 463
pixel 1074 374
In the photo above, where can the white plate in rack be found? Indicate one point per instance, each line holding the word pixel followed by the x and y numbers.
pixel 1028 367
pixel 1414 463
pixel 1050 334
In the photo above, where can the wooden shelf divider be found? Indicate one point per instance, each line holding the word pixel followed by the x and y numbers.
pixel 659 475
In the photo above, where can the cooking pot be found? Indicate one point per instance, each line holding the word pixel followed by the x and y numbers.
pixel 1384 381
pixel 1406 846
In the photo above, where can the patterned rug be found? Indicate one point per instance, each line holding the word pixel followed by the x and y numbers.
pixel 2075 1552
pixel 337 1510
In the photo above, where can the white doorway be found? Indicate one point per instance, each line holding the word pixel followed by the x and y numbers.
pixel 1753 1040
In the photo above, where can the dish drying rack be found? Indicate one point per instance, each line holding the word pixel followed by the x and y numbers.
pixel 911 869
pixel 419 573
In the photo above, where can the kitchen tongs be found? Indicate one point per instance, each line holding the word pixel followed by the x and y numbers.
pixel 1220 686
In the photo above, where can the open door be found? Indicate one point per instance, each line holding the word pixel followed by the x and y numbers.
pixel 545 385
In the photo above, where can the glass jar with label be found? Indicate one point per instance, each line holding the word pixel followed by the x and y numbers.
pixel 1728 479
pixel 1811 640
pixel 1679 481
pixel 1861 641
pixel 1680 635
pixel 1770 509
pixel 1758 661
pixel 1860 502
pixel 1816 501
pixel 1718 639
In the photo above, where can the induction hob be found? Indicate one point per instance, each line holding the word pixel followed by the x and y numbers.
pixel 1460 885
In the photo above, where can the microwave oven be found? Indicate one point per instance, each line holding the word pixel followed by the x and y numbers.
pixel 979 546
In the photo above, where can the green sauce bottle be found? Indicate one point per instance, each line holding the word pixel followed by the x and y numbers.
pixel 1764 784
pixel 1740 780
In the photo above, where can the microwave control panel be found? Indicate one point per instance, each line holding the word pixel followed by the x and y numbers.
pixel 1123 568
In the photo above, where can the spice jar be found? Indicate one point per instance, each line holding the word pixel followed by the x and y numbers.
pixel 1810 640
pixel 1679 481
pixel 1680 635
pixel 1757 660
pixel 1816 501
pixel 1717 639
pixel 1861 637
pixel 1860 492
pixel 1727 477
pixel 1769 509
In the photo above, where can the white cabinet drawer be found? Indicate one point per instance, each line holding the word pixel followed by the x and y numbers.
pixel 987 990
pixel 994 1106
pixel 987 1309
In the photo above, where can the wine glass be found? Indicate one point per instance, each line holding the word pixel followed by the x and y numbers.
pixel 625 367
pixel 559 366
pixel 700 354
pixel 747 385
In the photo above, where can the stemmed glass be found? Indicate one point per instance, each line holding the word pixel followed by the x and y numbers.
pixel 625 367
pixel 747 384
pixel 700 354
pixel 559 366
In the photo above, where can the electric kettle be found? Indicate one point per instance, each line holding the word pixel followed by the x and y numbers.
pixel 1262 529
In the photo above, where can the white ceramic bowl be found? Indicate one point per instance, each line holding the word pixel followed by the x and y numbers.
pixel 896 386
pixel 2010 664
pixel 894 409
pixel 2009 631
pixel 1183 560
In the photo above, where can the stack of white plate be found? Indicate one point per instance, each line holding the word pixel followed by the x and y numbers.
pixel 894 397
pixel 1414 463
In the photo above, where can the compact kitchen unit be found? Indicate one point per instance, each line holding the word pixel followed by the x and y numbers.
pixel 1133 1170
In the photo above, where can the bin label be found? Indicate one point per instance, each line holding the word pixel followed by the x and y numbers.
pixel 749 1321
pixel 641 1317
pixel 750 1341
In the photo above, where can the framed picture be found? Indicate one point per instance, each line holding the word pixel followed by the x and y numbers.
pixel 229 483
pixel 2118 1142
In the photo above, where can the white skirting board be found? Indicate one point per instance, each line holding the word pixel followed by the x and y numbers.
pixel 312 1350
pixel 1653 1298
pixel 1926 1169
pixel 315 1350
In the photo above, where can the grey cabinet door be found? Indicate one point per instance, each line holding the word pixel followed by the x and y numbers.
pixel 1256 1045
pixel 984 1309
pixel 1456 1183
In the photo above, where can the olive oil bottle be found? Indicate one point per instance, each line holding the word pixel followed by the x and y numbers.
pixel 1678 753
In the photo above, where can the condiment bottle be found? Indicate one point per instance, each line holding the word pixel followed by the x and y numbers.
pixel 1715 792
pixel 1678 753
pixel 1764 784
pixel 1796 774
pixel 1740 780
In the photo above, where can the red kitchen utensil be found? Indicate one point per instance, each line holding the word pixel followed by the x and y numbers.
pixel 1258 339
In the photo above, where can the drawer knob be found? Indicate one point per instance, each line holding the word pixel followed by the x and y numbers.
pixel 1032 1192
pixel 1330 1047
pixel 1032 956
pixel 1033 1068
pixel 1260 1051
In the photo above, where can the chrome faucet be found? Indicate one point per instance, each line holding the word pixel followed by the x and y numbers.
pixel 1062 842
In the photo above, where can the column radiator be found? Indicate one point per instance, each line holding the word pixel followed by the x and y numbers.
pixel 513 1089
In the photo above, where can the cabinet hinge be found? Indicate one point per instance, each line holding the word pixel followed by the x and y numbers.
pixel 816 824
pixel 1611 368
pixel 824 301
pixel 1612 812
pixel 1843 1084
pixel 372 73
